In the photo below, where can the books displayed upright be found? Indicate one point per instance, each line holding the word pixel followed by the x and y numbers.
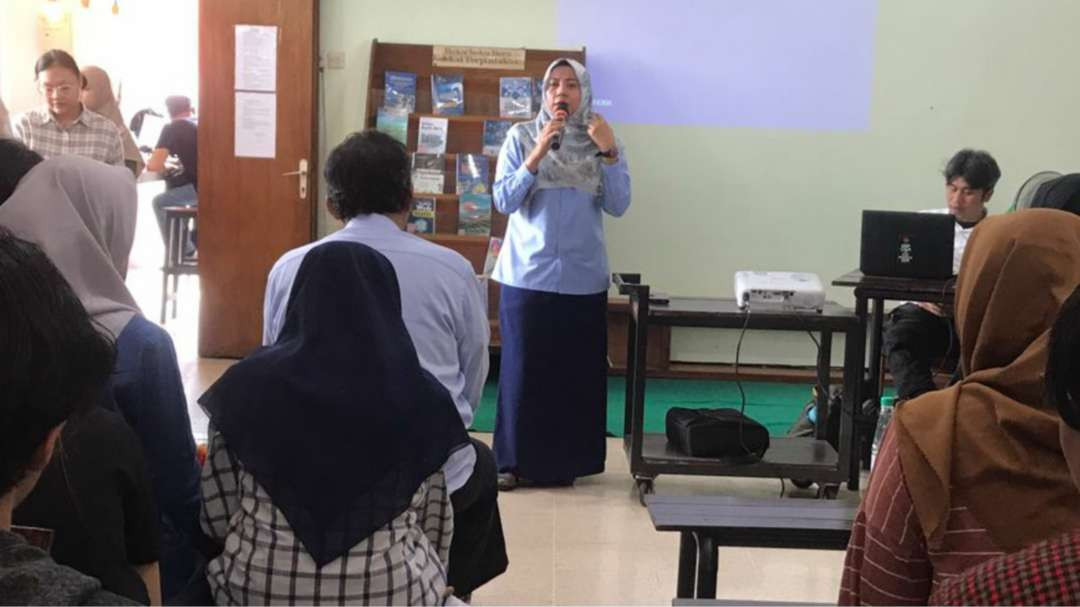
pixel 448 94
pixel 427 173
pixel 494 135
pixel 432 135
pixel 393 122
pixel 515 97
pixel 474 214
pixel 421 216
pixel 472 174
pixel 400 91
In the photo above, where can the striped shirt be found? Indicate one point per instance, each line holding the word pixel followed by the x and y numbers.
pixel 263 563
pixel 91 135
pixel 888 561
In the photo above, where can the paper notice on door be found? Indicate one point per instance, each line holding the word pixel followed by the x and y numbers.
pixel 256 58
pixel 256 125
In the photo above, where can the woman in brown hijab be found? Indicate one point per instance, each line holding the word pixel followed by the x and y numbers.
pixel 98 96
pixel 976 470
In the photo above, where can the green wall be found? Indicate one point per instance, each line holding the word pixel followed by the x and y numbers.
pixel 995 74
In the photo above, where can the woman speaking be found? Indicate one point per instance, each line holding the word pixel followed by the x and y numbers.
pixel 554 177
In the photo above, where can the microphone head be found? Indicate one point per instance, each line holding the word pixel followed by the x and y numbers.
pixel 562 105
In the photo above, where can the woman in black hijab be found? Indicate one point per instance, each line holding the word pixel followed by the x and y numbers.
pixel 323 481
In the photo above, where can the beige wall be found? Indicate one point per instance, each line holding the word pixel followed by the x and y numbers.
pixel 150 48
pixel 19 48
pixel 995 74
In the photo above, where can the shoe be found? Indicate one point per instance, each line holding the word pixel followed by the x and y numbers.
pixel 508 481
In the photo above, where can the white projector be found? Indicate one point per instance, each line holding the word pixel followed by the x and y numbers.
pixel 779 290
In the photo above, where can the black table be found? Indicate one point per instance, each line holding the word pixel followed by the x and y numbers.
pixel 811 459
pixel 706 522
pixel 876 290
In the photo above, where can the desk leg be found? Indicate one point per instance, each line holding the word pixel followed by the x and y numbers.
pixel 639 319
pixel 687 566
pixel 855 388
pixel 824 368
pixel 707 568
pixel 631 364
pixel 853 377
pixel 876 375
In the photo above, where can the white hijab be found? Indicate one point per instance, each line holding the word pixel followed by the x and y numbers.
pixel 574 164
pixel 82 214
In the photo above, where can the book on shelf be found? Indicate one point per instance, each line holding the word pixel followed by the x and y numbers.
pixel 400 91
pixel 472 174
pixel 448 94
pixel 494 135
pixel 474 215
pixel 538 95
pixel 494 246
pixel 431 138
pixel 515 97
pixel 421 216
pixel 427 173
pixel 393 122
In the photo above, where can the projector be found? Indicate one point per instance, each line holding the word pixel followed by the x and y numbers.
pixel 800 291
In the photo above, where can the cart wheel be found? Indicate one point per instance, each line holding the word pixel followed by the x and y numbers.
pixel 801 483
pixel 828 492
pixel 644 487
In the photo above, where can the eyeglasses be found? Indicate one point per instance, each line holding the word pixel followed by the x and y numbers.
pixel 60 90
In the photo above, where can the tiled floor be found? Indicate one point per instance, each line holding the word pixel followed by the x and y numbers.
pixel 587 544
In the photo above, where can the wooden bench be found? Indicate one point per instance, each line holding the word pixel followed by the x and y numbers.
pixel 706 522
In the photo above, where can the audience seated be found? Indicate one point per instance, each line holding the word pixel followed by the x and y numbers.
pixel 55 365
pixel 65 125
pixel 98 96
pixel 919 336
pixel 82 214
pixel 976 470
pixel 370 189
pixel 96 497
pixel 1043 573
pixel 323 480
pixel 179 138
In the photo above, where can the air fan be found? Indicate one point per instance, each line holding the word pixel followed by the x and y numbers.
pixel 1026 193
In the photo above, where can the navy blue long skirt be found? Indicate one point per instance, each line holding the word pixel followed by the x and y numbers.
pixel 552 407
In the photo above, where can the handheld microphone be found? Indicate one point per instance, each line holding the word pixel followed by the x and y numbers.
pixel 556 141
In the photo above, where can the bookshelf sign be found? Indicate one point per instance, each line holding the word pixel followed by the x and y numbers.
pixel 485 57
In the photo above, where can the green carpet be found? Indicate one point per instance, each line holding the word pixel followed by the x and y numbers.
pixel 772 404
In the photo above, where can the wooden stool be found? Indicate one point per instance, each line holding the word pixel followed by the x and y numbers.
pixel 178 224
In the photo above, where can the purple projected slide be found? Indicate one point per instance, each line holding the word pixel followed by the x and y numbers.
pixel 800 64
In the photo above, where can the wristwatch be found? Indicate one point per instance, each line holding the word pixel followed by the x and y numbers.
pixel 612 153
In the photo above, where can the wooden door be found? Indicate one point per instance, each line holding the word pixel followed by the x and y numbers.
pixel 250 209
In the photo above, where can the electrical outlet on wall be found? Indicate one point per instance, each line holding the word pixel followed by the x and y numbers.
pixel 335 60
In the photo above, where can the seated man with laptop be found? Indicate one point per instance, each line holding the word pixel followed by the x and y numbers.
pixel 919 335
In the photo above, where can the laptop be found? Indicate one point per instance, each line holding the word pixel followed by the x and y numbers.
pixel 907 245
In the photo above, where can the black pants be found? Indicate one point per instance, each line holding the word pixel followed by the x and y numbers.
pixel 478 549
pixel 914 342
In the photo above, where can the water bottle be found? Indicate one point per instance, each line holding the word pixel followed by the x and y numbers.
pixel 884 417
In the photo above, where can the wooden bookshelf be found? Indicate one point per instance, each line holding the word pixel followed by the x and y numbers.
pixel 465 133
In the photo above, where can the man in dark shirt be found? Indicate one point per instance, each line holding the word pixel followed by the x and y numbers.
pixel 56 364
pixel 179 138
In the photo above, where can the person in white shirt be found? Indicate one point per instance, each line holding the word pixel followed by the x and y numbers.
pixel 370 188
pixel 920 335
